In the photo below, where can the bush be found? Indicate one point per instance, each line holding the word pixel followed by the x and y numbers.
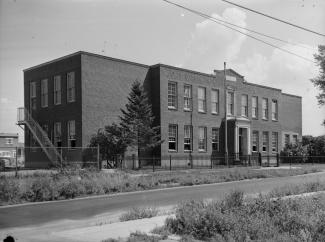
pixel 261 219
pixel 139 213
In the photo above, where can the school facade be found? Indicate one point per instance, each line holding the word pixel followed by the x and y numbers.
pixel 70 98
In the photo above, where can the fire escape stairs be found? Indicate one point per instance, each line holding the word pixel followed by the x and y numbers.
pixel 26 119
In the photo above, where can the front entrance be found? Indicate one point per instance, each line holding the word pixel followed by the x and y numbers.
pixel 243 141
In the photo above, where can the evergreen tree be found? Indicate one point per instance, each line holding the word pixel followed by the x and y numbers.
pixel 137 120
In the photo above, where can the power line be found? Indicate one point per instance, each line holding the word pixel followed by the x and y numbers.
pixel 251 36
pixel 250 30
pixel 280 20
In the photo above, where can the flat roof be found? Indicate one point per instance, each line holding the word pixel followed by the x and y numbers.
pixel 148 66
pixel 9 135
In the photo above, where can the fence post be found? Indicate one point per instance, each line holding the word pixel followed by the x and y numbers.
pixel 260 158
pixel 249 160
pixel 277 160
pixel 133 161
pixel 61 157
pixel 170 162
pixel 268 160
pixel 191 159
pixel 153 164
pixel 211 161
pixel 98 160
pixel 16 171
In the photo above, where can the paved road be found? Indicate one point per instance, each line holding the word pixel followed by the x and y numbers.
pixel 40 213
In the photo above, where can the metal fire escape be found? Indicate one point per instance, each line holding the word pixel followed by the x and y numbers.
pixel 25 118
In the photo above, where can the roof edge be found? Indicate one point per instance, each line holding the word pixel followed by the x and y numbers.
pixel 84 53
pixel 291 95
pixel 183 69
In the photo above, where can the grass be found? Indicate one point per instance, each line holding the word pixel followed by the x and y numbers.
pixel 69 184
pixel 260 219
pixel 139 213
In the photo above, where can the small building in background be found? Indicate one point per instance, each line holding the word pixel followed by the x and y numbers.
pixel 10 147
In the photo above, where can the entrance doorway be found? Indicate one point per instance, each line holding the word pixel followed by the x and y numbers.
pixel 243 141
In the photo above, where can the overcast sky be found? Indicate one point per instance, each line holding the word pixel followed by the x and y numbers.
pixel 152 31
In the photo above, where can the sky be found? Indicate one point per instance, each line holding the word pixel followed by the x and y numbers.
pixel 152 31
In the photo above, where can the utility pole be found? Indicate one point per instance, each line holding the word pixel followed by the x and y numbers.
pixel 225 102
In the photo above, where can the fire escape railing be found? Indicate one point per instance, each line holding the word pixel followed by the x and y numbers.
pixel 25 118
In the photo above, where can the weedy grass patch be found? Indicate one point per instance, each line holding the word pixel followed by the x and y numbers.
pixel 139 213
pixel 72 183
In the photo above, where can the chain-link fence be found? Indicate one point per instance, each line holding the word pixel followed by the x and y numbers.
pixel 18 158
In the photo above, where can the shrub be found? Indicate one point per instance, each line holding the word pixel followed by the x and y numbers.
pixel 139 213
pixel 260 219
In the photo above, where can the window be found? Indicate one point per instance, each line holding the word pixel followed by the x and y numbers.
pixel 172 137
pixel 187 97
pixel 71 92
pixel 172 95
pixel 265 143
pixel 255 141
pixel 57 90
pixel 9 141
pixel 215 101
pixel 57 134
pixel 265 108
pixel 274 142
pixel 254 107
pixel 45 128
pixel 71 133
pixel 215 139
pixel 295 139
pixel 274 110
pixel 244 105
pixel 187 138
pixel 32 94
pixel 202 138
pixel 201 99
pixel 230 103
pixel 44 93
pixel 286 139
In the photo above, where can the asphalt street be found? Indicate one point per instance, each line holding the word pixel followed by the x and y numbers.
pixel 78 209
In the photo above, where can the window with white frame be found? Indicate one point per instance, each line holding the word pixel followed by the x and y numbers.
pixel 286 139
pixel 187 97
pixel 187 138
pixel 254 107
pixel 57 134
pixel 214 101
pixel 201 91
pixel 215 139
pixel 202 138
pixel 230 103
pixel 172 95
pixel 274 142
pixel 295 139
pixel 71 133
pixel 71 90
pixel 32 95
pixel 265 108
pixel 255 142
pixel 57 90
pixel 172 137
pixel 265 141
pixel 44 93
pixel 9 141
pixel 244 105
pixel 274 110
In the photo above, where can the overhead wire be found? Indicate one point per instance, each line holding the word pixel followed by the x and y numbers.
pixel 274 18
pixel 248 35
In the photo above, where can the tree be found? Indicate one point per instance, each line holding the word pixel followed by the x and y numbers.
pixel 111 141
pixel 319 81
pixel 137 121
